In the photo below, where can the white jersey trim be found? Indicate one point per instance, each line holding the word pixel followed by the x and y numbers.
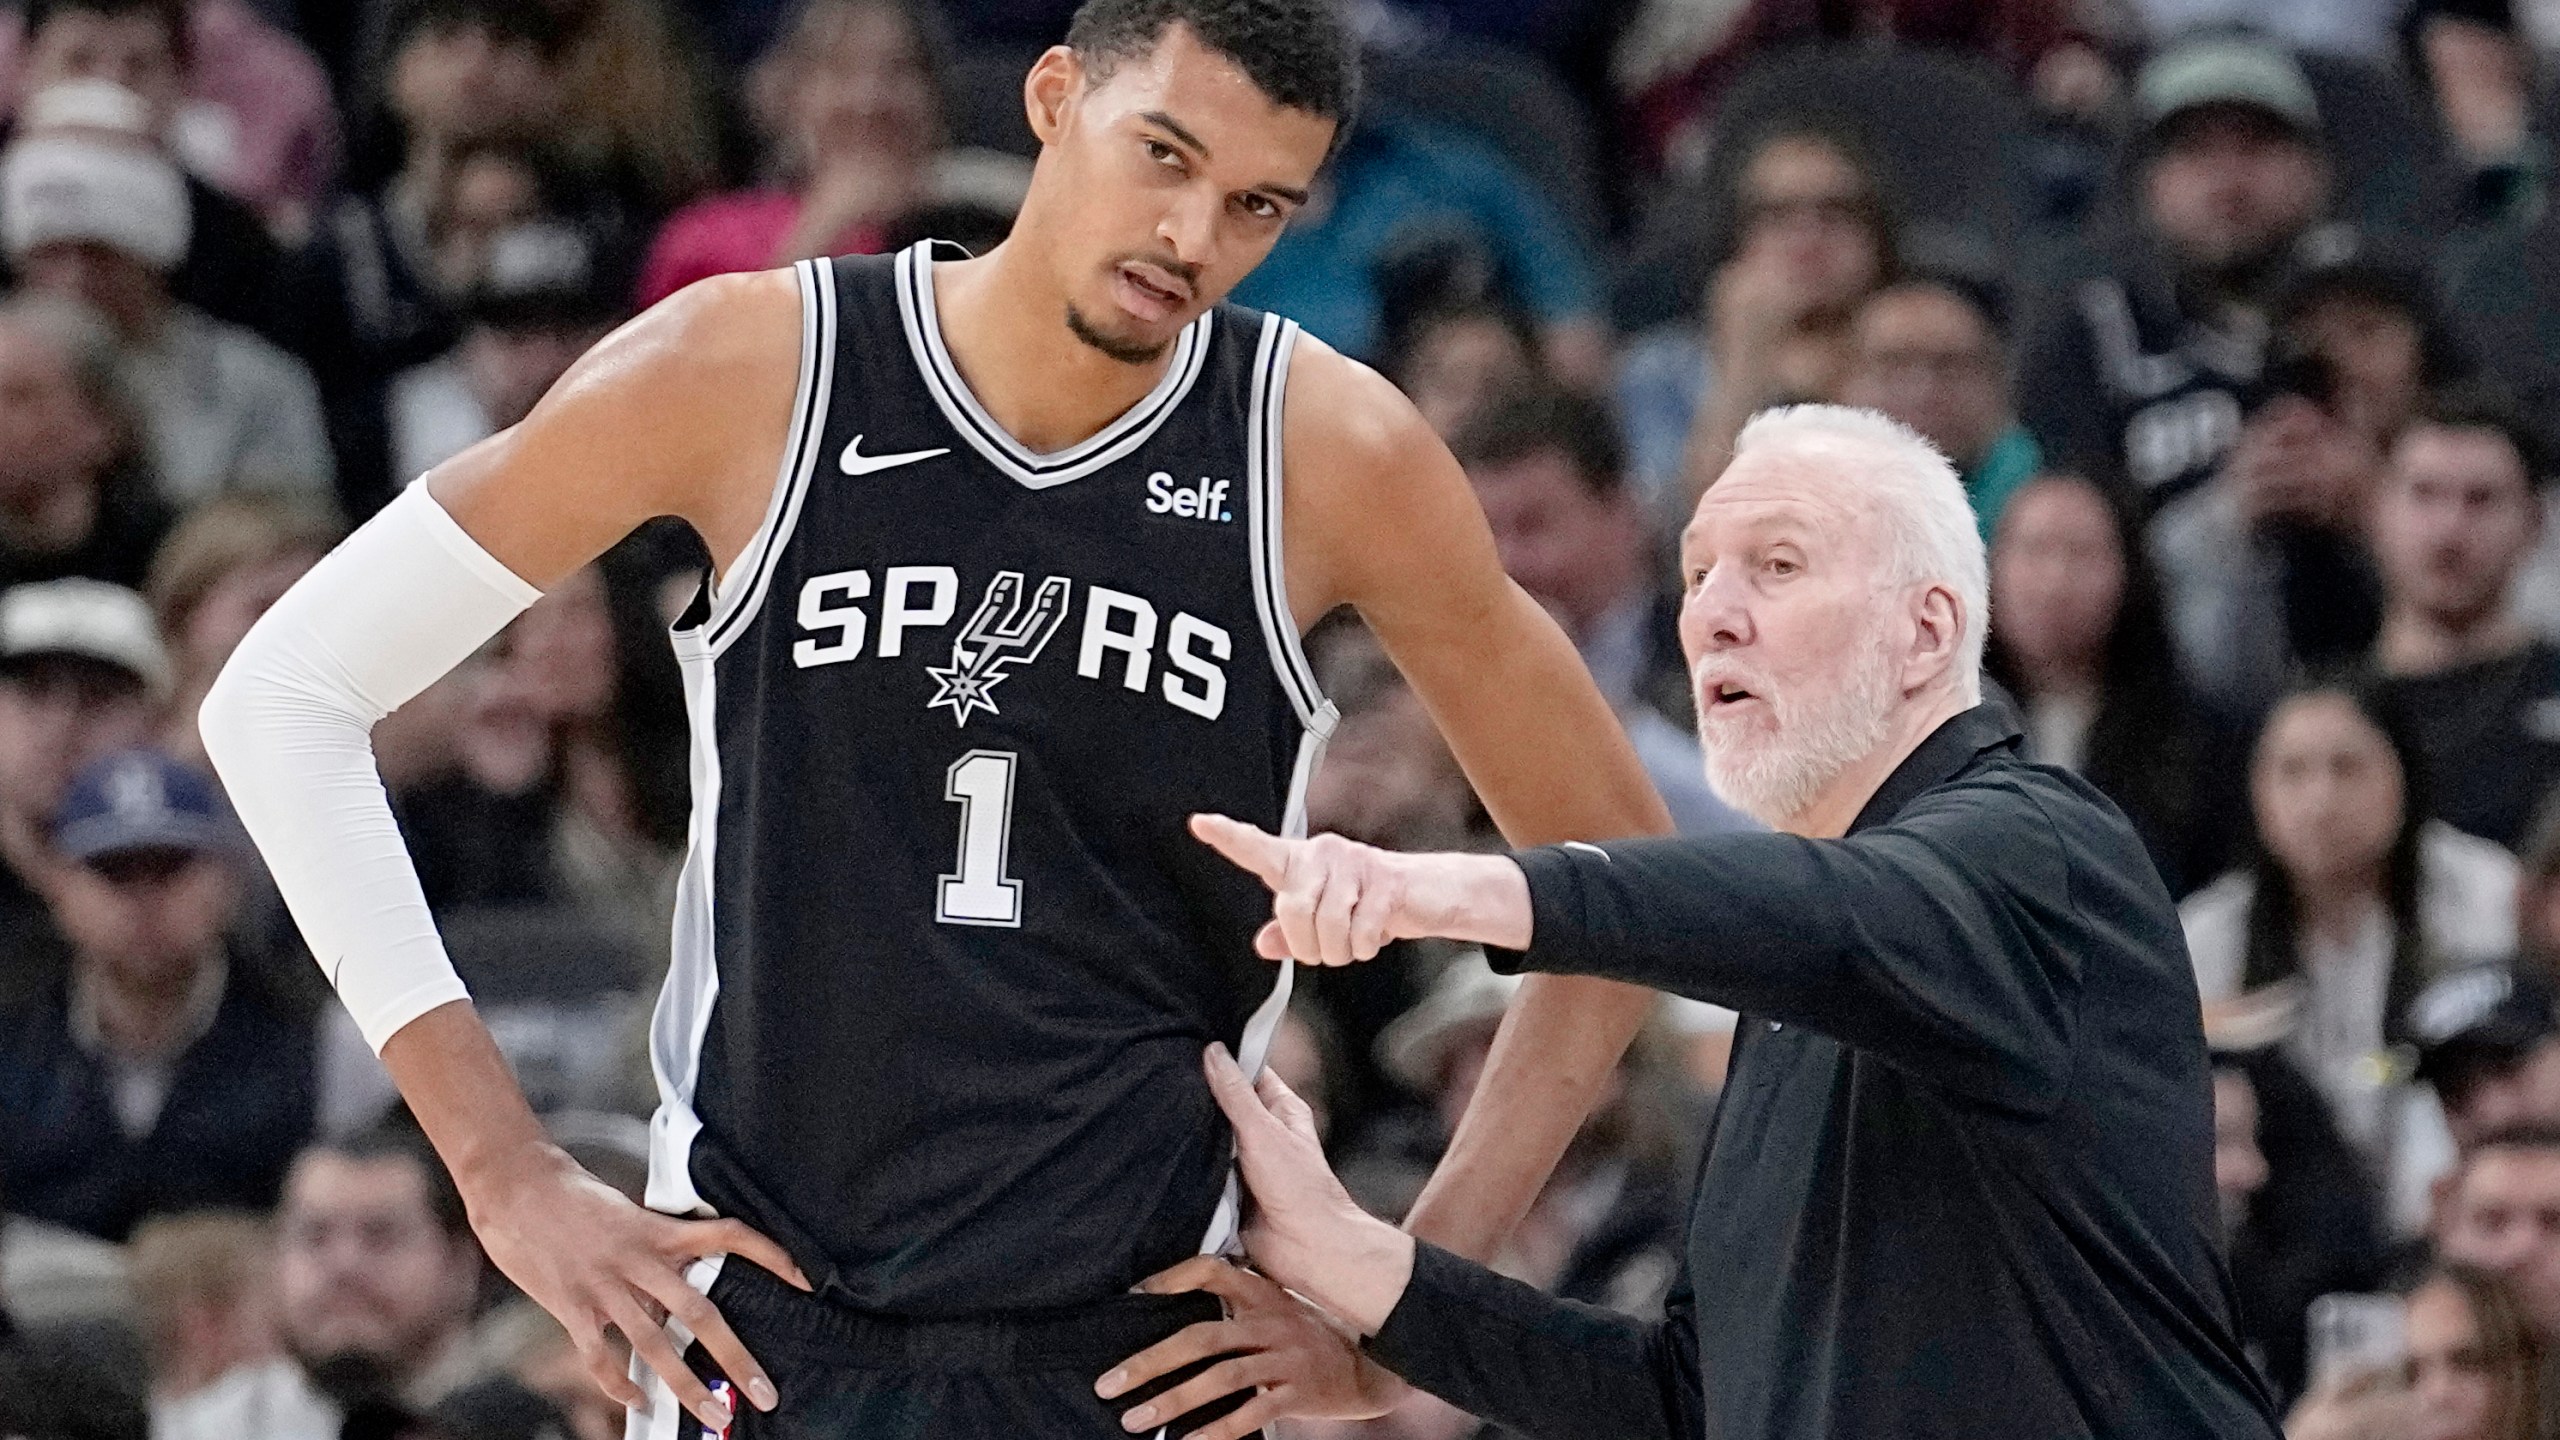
pixel 1265 475
pixel 1263 501
pixel 683 1015
pixel 923 321
pixel 740 593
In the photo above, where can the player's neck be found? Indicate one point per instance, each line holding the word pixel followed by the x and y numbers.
pixel 1004 323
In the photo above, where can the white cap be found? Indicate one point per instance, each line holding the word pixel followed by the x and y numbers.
pixel 88 618
pixel 85 105
pixel 75 181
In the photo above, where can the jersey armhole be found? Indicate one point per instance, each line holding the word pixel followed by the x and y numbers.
pixel 726 603
pixel 1264 487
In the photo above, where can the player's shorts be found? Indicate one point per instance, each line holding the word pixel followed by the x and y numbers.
pixel 847 1375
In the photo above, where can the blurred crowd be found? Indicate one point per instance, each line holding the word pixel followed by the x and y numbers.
pixel 2240 319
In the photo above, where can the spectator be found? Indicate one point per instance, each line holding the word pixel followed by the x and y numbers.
pixel 375 1276
pixel 2352 900
pixel 159 1077
pixel 2264 569
pixel 1547 467
pixel 1809 235
pixel 233 269
pixel 633 104
pixel 1450 354
pixel 2474 1371
pixel 1932 352
pixel 2140 370
pixel 82 674
pixel 204 1290
pixel 76 495
pixel 2375 321
pixel 573 784
pixel 2078 640
pixel 220 570
pixel 1604 1230
pixel 543 298
pixel 851 99
pixel 92 210
pixel 2477 73
pixel 2489 1042
pixel 2502 1215
pixel 2475 1365
pixel 465 89
pixel 2458 512
pixel 2299 1216
pixel 1397 184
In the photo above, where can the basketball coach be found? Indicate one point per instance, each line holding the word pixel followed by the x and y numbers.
pixel 1960 1183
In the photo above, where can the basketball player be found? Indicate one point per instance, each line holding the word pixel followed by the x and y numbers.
pixel 1005 588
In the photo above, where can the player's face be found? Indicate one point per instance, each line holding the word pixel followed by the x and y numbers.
pixel 1161 186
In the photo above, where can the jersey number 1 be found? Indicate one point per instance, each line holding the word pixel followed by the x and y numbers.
pixel 981 784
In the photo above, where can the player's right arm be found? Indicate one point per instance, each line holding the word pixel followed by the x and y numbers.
pixel 681 412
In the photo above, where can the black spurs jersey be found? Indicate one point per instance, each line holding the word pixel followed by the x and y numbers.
pixel 945 955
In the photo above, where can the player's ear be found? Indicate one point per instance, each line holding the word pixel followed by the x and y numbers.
pixel 1050 90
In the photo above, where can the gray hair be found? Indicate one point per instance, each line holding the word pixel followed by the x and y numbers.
pixel 1929 531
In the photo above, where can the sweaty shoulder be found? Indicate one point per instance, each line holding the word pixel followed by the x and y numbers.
pixel 682 411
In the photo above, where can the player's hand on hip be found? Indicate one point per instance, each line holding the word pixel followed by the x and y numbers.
pixel 1300 1364
pixel 1337 901
pixel 596 1261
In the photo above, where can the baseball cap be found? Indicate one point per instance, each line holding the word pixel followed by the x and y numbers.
pixel 85 618
pixel 2227 71
pixel 90 619
pixel 140 800
pixel 2485 1015
pixel 80 170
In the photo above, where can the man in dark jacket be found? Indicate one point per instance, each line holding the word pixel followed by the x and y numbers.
pixel 157 1077
pixel 1960 1183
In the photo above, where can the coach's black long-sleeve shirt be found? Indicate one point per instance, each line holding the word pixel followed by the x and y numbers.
pixel 1961 1180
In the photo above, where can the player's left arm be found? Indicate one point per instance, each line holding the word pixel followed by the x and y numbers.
pixel 1380 517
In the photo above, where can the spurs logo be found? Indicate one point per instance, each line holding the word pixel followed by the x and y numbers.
pixel 1005 632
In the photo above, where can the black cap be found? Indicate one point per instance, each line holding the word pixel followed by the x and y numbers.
pixel 2488 1016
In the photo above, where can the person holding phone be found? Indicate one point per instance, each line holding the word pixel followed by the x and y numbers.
pixel 2470 1368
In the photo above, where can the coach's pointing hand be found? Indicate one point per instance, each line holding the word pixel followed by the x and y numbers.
pixel 1336 901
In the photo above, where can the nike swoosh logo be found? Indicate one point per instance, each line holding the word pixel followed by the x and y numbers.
pixel 857 463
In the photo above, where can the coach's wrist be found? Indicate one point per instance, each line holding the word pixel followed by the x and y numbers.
pixel 1480 899
pixel 1357 1269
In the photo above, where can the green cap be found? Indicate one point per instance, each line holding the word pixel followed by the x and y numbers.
pixel 2227 72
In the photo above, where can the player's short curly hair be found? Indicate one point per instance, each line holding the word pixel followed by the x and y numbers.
pixel 1301 53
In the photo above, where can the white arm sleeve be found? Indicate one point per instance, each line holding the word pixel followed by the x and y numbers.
pixel 289 726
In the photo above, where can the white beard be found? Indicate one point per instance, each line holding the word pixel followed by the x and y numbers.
pixel 1772 776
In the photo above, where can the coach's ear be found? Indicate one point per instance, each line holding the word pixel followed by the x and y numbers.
pixel 1049 92
pixel 1938 623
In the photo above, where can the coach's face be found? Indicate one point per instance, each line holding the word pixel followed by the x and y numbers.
pixel 1794 642
pixel 1162 181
